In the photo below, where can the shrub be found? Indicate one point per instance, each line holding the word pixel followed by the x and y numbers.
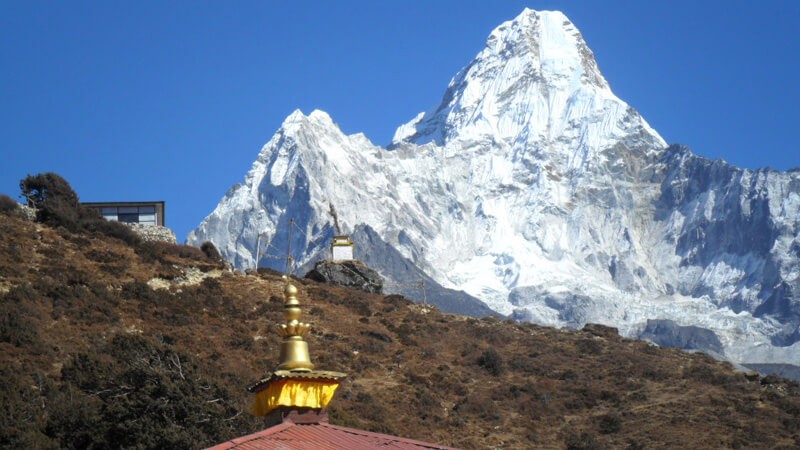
pixel 47 188
pixel 584 441
pixel 211 251
pixel 633 444
pixel 144 394
pixel 21 417
pixel 104 256
pixel 7 204
pixel 406 334
pixel 15 326
pixel 589 346
pixel 55 201
pixel 609 423
pixel 58 205
pixel 163 251
pixel 137 290
pixel 376 335
pixel 363 397
pixel 92 221
pixel 491 361
pixel 525 364
pixel 482 408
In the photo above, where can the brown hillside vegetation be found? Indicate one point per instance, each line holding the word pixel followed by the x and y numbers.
pixel 108 344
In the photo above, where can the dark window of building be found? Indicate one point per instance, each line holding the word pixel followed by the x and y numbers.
pixel 128 217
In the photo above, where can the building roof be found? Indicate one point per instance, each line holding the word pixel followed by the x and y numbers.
pixel 321 436
pixel 127 202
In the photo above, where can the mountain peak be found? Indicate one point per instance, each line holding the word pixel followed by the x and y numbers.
pixel 320 116
pixel 528 73
pixel 317 116
pixel 550 40
pixel 295 117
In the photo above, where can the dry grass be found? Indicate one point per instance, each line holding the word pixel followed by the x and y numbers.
pixel 414 372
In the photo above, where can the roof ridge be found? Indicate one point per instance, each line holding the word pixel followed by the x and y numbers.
pixel 250 437
pixel 385 436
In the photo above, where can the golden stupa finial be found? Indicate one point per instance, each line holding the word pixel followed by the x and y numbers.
pixel 294 349
pixel 294 383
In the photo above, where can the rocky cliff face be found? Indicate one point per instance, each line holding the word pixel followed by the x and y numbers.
pixel 735 233
pixel 533 188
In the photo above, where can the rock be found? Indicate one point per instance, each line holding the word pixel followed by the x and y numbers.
pixel 752 376
pixel 353 274
pixel 28 213
pixel 600 330
pixel 667 333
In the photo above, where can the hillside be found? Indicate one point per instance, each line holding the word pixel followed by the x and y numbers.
pixel 106 344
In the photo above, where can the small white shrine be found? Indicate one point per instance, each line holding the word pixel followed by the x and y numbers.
pixel 342 248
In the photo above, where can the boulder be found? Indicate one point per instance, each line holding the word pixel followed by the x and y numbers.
pixel 667 333
pixel 353 274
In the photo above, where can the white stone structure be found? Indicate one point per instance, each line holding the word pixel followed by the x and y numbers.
pixel 342 248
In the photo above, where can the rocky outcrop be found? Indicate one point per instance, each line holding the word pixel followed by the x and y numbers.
pixel 667 333
pixel 353 274
pixel 600 330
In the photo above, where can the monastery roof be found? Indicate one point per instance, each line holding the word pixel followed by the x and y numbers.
pixel 321 436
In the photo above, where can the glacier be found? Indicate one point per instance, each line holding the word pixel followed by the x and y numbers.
pixel 534 190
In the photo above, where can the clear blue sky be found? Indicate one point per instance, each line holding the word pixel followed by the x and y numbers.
pixel 172 100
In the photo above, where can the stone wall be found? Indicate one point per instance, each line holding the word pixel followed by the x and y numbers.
pixel 154 233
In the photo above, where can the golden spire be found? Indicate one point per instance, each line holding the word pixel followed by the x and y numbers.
pixel 294 349
pixel 294 383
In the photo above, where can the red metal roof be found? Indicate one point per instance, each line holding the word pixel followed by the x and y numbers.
pixel 322 436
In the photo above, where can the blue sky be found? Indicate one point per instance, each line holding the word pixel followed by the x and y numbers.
pixel 173 100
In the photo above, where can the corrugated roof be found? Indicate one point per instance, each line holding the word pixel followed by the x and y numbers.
pixel 322 436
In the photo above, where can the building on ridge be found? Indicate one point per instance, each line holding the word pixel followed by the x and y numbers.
pixel 145 212
pixel 293 399
pixel 146 218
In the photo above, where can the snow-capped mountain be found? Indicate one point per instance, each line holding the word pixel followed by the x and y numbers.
pixel 533 188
